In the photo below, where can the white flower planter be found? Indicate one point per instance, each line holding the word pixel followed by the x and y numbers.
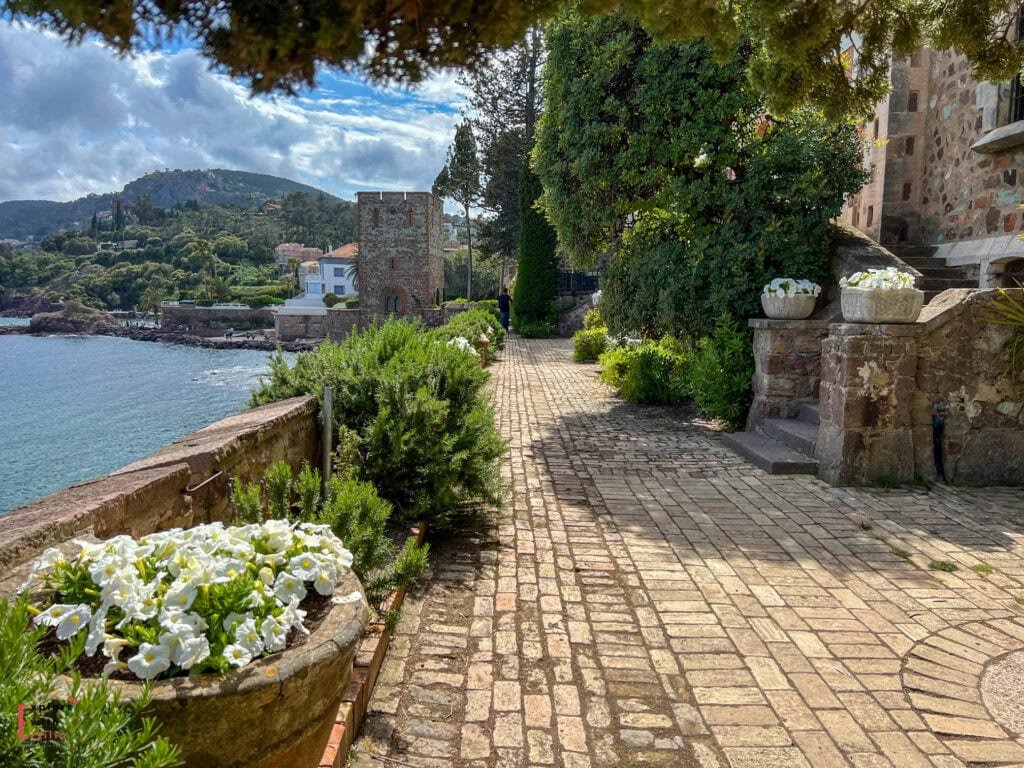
pixel 799 306
pixel 902 305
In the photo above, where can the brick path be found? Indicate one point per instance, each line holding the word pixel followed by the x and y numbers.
pixel 648 598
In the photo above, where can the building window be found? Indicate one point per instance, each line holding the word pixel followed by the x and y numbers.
pixel 912 102
pixel 1011 94
pixel 376 217
pixel 875 132
pixel 909 147
pixel 340 271
pixel 339 290
pixel 906 190
pixel 871 215
pixel 394 263
pixel 408 217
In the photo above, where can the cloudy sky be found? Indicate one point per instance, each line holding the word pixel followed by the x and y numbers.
pixel 75 120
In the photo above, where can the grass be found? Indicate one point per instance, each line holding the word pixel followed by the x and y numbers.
pixel 942 565
pixel 1019 600
pixel 899 552
pixel 983 569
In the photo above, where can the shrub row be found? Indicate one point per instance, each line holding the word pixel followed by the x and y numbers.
pixel 471 324
pixel 714 372
pixel 411 410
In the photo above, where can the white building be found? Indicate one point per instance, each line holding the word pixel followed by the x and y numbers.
pixel 333 273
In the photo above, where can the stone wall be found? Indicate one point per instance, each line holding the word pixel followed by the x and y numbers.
pixel 299 326
pixel 184 484
pixel 881 386
pixel 401 262
pixel 340 322
pixel 215 318
pixel 787 358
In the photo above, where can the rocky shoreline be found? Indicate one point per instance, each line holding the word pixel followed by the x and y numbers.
pixel 167 337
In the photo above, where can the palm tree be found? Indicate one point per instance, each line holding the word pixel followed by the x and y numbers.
pixel 352 273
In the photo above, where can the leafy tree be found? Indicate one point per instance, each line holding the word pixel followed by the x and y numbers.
pixel 537 278
pixel 151 298
pixel 505 99
pixel 661 158
pixel 801 49
pixel 459 180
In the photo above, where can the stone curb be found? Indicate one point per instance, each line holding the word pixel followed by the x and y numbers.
pixel 365 668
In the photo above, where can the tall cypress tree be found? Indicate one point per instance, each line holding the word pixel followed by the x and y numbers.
pixel 459 180
pixel 537 279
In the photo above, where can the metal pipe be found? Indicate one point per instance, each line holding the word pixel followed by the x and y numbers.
pixel 328 434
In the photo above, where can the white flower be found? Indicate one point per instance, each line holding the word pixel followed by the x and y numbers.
pixel 888 279
pixel 73 622
pixel 274 634
pixel 192 651
pixel 305 566
pixel 288 586
pixel 237 655
pixel 247 636
pixel 293 616
pixel 113 646
pixel 266 576
pixel 595 298
pixel 53 615
pixel 233 619
pixel 150 661
pixel 97 629
pixel 788 286
pixel 324 580
pixel 180 595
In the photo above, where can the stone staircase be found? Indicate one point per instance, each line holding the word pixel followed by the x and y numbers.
pixel 938 276
pixel 781 446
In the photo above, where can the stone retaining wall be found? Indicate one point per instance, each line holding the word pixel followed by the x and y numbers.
pixel 215 318
pixel 883 386
pixel 184 484
pixel 787 361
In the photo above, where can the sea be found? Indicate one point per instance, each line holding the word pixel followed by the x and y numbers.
pixel 78 407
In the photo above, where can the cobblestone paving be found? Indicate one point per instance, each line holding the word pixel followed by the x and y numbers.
pixel 648 598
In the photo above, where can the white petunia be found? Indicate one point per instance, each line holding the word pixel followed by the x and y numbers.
pixel 237 655
pixel 194 650
pixel 233 619
pixel 150 661
pixel 305 566
pixel 288 586
pixel 247 636
pixel 180 595
pixel 73 622
pixel 274 634
pixel 294 617
pixel 54 615
pixel 97 629
pixel 324 580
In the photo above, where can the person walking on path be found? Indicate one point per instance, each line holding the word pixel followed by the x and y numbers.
pixel 504 307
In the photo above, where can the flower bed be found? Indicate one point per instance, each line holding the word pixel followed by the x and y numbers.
pixel 208 598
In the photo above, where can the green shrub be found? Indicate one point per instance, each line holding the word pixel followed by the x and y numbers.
pixel 537 276
pixel 261 301
pixel 491 305
pixel 589 344
pixel 651 372
pixel 534 329
pixel 721 371
pixel 204 302
pixel 425 429
pixel 99 731
pixel 593 319
pixel 331 299
pixel 352 303
pixel 470 324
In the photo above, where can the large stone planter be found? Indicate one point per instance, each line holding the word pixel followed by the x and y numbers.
pixel 796 307
pixel 876 306
pixel 277 712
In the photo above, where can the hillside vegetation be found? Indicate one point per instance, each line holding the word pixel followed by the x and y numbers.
pixel 164 189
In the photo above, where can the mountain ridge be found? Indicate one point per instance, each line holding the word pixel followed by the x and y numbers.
pixel 24 218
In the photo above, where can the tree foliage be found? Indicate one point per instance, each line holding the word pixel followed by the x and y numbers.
pixel 661 157
pixel 459 180
pixel 505 99
pixel 537 278
pixel 801 50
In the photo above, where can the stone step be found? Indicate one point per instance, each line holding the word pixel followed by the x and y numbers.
pixel 770 455
pixel 912 251
pixel 939 272
pixel 809 412
pixel 937 284
pixel 923 262
pixel 793 433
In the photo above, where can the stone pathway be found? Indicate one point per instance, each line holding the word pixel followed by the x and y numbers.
pixel 649 598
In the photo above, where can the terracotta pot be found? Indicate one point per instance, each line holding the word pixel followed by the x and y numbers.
pixel 277 712
pixel 796 307
pixel 861 305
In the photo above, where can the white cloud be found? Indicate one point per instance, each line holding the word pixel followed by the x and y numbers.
pixel 78 119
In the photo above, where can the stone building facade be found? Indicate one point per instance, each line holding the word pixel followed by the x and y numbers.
pixel 946 152
pixel 401 257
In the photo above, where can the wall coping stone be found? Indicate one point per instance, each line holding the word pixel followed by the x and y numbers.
pixel 764 323
pixel 856 252
pixel 203 450
pixel 105 502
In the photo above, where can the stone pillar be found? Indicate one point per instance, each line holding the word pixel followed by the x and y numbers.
pixel 787 367
pixel 867 388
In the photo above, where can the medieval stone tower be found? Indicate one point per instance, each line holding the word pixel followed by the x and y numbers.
pixel 401 262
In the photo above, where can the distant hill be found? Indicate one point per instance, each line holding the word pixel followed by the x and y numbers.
pixel 21 218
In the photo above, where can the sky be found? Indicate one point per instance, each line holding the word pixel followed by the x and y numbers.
pixel 79 119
